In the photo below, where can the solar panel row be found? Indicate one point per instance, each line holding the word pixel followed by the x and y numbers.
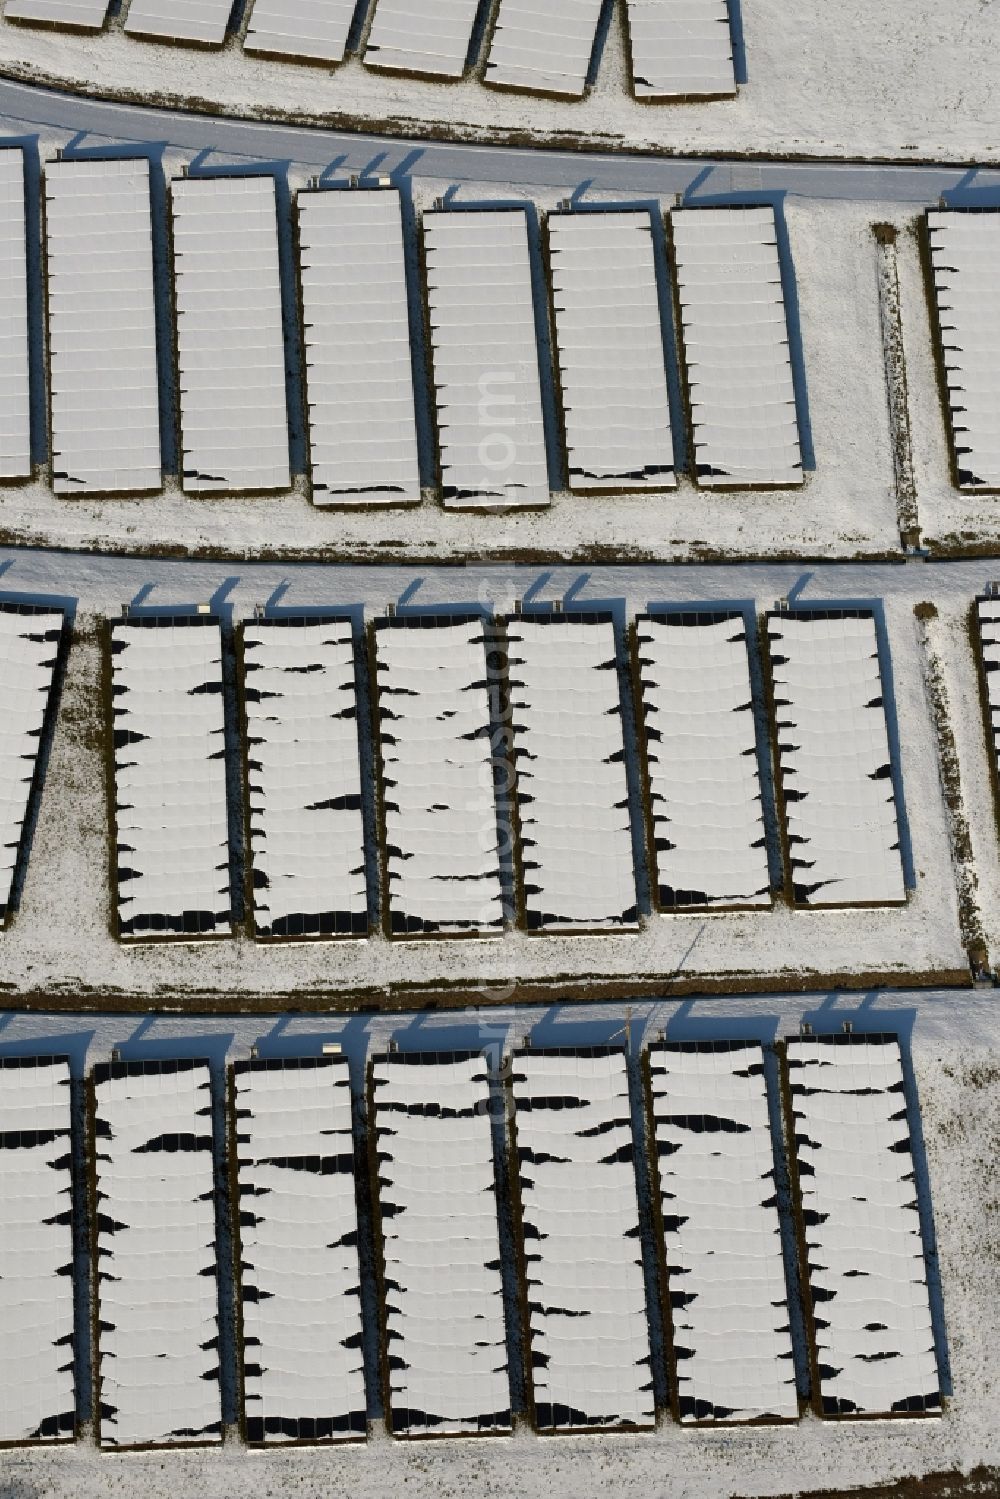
pixel 490 737
pixel 486 335
pixel 679 49
pixel 569 1162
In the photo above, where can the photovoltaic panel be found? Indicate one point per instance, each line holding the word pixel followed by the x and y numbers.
pixel 680 49
pixel 445 1351
pixel 544 46
pixel 15 401
pixel 429 37
pixel 29 650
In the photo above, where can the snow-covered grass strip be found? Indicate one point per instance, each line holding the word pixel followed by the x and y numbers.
pixel 426 37
pixel 304 779
pixel 29 649
pixel 578 871
pixel 200 21
pixel 15 411
pixel 709 843
pixel 735 339
pixel 834 761
pixel 37 1392
pixel 867 1276
pixel 491 431
pixel 732 1342
pixel 965 250
pixel 445 1348
pixel 439 807
pixel 680 49
pixel 309 30
pixel 544 46
pixel 300 1283
pixel 102 327
pixel 171 818
pixel 230 341
pixel 587 1327
pixel 609 334
pixel 74 15
pixel 359 373
pixel 157 1301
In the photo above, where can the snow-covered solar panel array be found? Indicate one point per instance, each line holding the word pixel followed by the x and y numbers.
pixel 171 818
pixel 731 1333
pixel 230 341
pixel 834 761
pixel 988 616
pixel 445 1352
pixel 429 37
pixel 200 21
pixel 29 648
pixel 735 341
pixel 709 842
pixel 37 1391
pixel 965 256
pixel 15 406
pixel 312 30
pixel 102 328
pixel 304 777
pixel 75 15
pixel 587 1328
pixel 359 374
pixel 866 1270
pixel 300 1282
pixel 572 790
pixel 613 378
pixel 680 49
pixel 544 46
pixel 158 1324
pixel 487 387
pixel 440 817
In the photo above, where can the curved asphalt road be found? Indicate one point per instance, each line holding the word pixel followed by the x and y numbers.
pixel 29 111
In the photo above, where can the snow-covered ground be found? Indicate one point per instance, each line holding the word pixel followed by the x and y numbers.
pixel 61 944
pixel 846 79
pixel 953 1043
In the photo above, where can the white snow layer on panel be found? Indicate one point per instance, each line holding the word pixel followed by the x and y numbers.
pixel 989 636
pixel 486 380
pixel 300 1281
pixel 304 778
pixel 102 328
pixel 572 791
pixel 965 258
pixel 735 339
pixel 230 343
pixel 15 412
pixel 29 646
pixel 544 45
pixel 834 761
pixel 609 334
pixel 202 21
pixel 158 1350
pixel 701 752
pixel 78 15
pixel 586 1294
pixel 316 30
pixel 422 36
pixel 359 374
pixel 681 49
pixel 171 819
pixel 729 1302
pixel 37 1394
pixel 867 1274
pixel 446 1340
pixel 440 813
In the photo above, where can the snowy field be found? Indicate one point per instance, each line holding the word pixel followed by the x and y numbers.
pixel 60 944
pixel 913 81
pixel 952 1047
